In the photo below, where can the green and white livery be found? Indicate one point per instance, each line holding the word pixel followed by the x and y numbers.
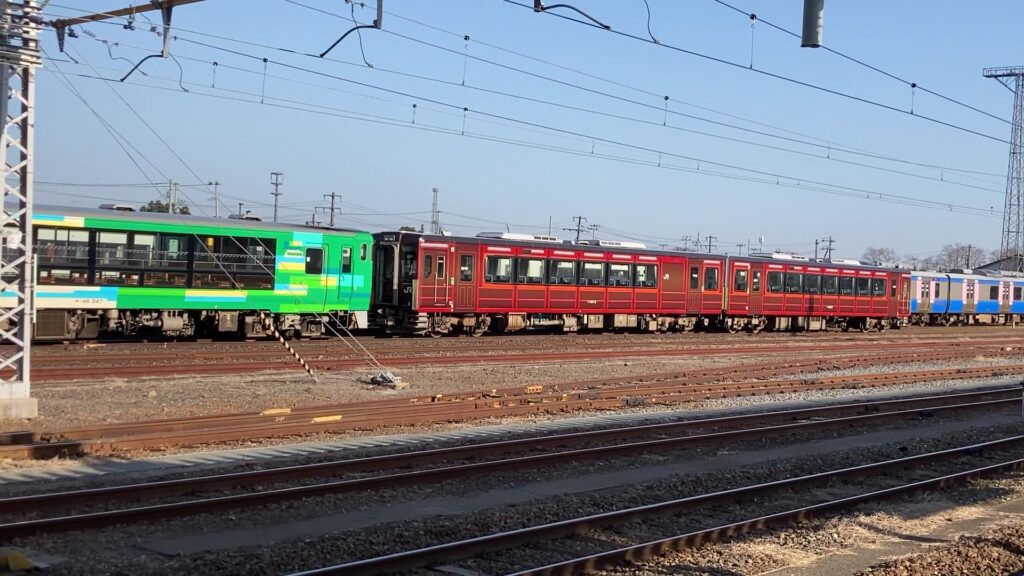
pixel 121 272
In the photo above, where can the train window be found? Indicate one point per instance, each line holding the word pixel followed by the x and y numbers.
pixel 362 252
pixel 466 268
pixel 863 286
pixel 793 283
pixel 845 286
pixel 993 292
pixel 756 281
pixel 694 278
pixel 63 277
pixel 892 292
pixel 69 247
pixel 117 278
pixel 499 269
pixel 1017 293
pixel 775 282
pixel 314 260
pixel 711 279
pixel 562 272
pixel 164 279
pixel 408 271
pixel 440 268
pixel 591 273
pixel 877 287
pixel 646 275
pixel 812 284
pixel 346 260
pixel 938 287
pixel 428 265
pixel 829 284
pixel 530 271
pixel 739 280
pixel 618 274
pixel 142 251
pixel 206 246
pixel 111 248
pixel 172 251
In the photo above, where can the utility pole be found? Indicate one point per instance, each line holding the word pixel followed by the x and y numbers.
pixel 579 227
pixel 216 198
pixel 240 204
pixel 829 241
pixel 277 179
pixel 313 221
pixel 19 57
pixel 172 197
pixel 334 197
pixel 816 248
pixel 686 242
pixel 969 249
pixel 740 246
pixel 593 230
pixel 710 239
pixel 1013 212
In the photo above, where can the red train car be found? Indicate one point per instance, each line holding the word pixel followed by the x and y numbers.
pixel 429 284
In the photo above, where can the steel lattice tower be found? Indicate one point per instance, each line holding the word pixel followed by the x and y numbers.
pixel 19 56
pixel 1012 248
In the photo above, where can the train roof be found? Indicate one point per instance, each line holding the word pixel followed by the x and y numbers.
pixel 773 258
pixel 165 218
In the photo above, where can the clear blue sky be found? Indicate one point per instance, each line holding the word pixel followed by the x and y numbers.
pixel 312 125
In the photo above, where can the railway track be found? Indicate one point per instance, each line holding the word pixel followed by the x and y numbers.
pixel 669 388
pixel 60 368
pixel 575 539
pixel 77 510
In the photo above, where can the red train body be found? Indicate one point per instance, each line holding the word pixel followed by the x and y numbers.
pixel 428 284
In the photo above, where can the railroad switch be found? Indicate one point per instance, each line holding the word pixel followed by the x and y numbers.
pixel 386 378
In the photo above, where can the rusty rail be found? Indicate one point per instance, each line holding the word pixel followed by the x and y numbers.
pixel 908 408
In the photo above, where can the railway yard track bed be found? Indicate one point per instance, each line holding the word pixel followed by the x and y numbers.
pixel 410 516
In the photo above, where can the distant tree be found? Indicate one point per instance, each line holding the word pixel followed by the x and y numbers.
pixel 158 206
pixel 958 255
pixel 879 254
pixel 406 228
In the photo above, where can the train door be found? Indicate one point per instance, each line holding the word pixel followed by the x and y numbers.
pixel 711 295
pixel 693 280
pixel 739 288
pixel 756 287
pixel 433 284
pixel 924 305
pixel 465 281
pixel 672 285
pixel 904 298
pixel 346 281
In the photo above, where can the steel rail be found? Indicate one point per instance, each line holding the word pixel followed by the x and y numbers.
pixel 34 503
pixel 413 559
pixel 761 370
pixel 64 374
pixel 648 550
pixel 205 430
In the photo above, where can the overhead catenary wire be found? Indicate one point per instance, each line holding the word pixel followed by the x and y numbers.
pixel 827 145
pixel 775 75
pixel 767 178
pixel 859 62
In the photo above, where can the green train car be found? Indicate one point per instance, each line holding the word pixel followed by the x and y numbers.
pixel 110 271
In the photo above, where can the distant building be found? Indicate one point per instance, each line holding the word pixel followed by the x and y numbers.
pixel 1014 263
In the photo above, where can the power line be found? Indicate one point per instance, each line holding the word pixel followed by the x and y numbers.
pixel 829 147
pixel 912 85
pixel 767 177
pixel 777 76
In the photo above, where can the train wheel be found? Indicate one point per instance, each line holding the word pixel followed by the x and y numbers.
pixel 435 333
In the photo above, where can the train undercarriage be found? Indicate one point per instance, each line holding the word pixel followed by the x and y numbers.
pixel 965 319
pixel 90 324
pixel 433 324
